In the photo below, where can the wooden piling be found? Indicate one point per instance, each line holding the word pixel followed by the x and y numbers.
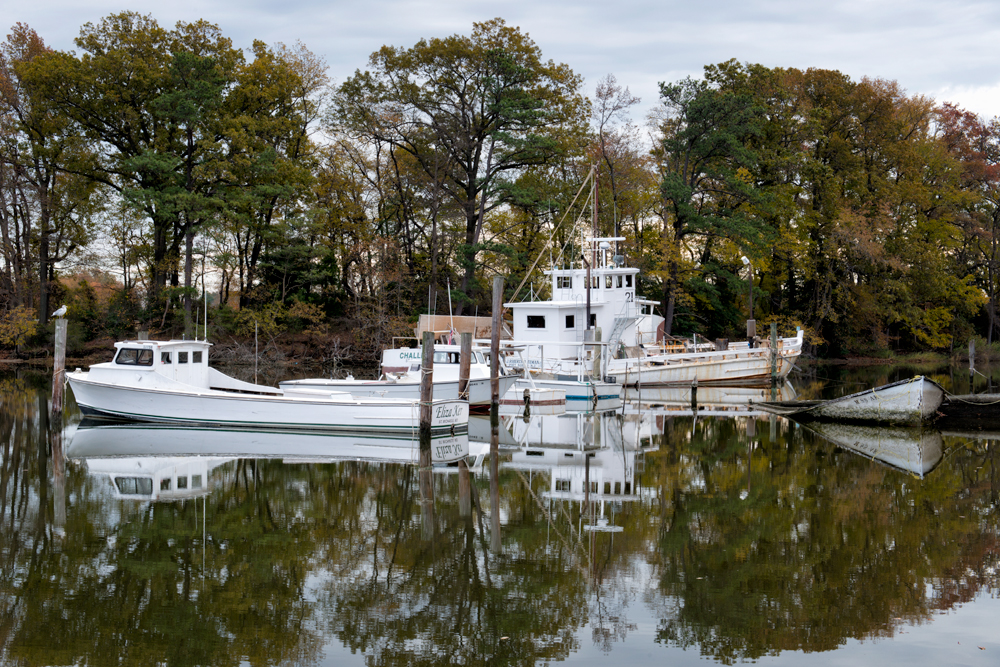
pixel 495 340
pixel 59 369
pixel 972 365
pixel 426 389
pixel 774 352
pixel 464 362
pixel 694 395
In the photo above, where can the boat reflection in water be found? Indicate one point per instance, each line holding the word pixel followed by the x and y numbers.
pixel 100 439
pixel 588 457
pixel 913 449
pixel 156 478
pixel 710 401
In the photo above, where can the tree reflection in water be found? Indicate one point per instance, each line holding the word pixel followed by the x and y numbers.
pixel 740 553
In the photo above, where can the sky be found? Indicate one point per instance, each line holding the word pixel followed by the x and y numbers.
pixel 943 50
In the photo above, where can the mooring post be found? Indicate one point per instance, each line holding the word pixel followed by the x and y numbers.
pixel 426 389
pixel 495 340
pixel 972 365
pixel 774 352
pixel 59 370
pixel 464 361
pixel 694 395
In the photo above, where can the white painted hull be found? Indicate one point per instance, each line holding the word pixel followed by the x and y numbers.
pixel 907 402
pixel 328 411
pixel 96 440
pixel 724 367
pixel 479 389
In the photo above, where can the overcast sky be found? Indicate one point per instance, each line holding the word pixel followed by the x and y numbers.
pixel 944 50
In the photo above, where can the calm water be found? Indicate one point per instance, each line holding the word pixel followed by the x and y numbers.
pixel 726 537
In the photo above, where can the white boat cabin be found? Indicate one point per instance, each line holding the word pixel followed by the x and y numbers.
pixel 615 308
pixel 180 360
pixel 447 358
pixel 174 364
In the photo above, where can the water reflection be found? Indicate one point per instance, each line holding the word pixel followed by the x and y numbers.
pixel 736 536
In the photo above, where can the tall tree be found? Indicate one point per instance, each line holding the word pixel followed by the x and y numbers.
pixel 483 107
pixel 46 209
pixel 706 162
pixel 146 96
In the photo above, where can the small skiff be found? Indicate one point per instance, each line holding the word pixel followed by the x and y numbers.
pixel 905 402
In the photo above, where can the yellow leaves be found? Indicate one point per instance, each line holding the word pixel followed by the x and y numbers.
pixel 744 176
pixel 263 322
pixel 16 325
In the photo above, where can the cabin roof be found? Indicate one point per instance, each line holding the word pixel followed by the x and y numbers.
pixel 164 343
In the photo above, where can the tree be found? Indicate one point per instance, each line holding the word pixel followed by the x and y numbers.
pixel 45 205
pixel 706 163
pixel 474 111
pixel 146 96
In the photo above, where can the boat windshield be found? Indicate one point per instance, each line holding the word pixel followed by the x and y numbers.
pixel 446 357
pixel 133 356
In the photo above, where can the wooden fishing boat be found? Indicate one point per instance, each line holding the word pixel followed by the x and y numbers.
pixel 905 402
pixel 171 381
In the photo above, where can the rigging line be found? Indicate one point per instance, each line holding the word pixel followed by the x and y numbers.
pixel 548 244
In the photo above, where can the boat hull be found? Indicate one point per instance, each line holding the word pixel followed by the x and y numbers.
pixel 327 411
pixel 906 402
pixel 479 389
pixel 724 367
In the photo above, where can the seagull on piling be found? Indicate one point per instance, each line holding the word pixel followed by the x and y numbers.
pixel 60 312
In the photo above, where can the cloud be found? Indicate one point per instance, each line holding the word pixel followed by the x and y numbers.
pixel 944 50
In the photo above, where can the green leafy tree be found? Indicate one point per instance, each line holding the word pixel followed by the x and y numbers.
pixel 474 111
pixel 707 162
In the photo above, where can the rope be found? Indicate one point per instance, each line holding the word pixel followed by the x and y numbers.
pixel 548 244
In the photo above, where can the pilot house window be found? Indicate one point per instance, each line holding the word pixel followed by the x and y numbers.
pixel 196 357
pixel 132 356
pixel 570 321
pixel 164 357
pixel 564 282
pixel 182 357
pixel 536 321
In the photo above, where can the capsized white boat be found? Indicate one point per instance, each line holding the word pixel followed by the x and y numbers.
pixel 910 448
pixel 905 402
pixel 401 377
pixel 171 381
pixel 169 443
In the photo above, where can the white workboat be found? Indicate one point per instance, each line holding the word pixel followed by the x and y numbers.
pixel 401 377
pixel 905 402
pixel 661 365
pixel 552 332
pixel 171 381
